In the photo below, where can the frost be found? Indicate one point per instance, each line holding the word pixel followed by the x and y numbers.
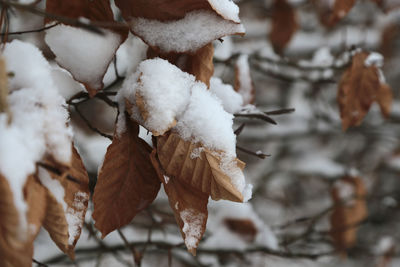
pixel 190 33
pixel 192 227
pixel 166 179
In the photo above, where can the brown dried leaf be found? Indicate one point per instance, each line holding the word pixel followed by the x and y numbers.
pixel 348 213
pixel 98 11
pixel 56 224
pixel 358 89
pixel 167 11
pixel 284 25
pixel 127 181
pixel 203 173
pixel 189 206
pixel 15 251
pixel 243 227
pixel 161 10
pixel 200 63
pixel 76 194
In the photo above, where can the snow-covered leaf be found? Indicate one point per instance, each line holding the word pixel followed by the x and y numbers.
pixel 189 206
pixel 85 54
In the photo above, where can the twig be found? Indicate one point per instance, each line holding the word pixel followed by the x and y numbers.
pixel 256 154
pixel 39 263
pixel 31 31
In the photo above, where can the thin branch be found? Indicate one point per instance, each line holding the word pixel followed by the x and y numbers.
pixel 30 31
pixel 257 154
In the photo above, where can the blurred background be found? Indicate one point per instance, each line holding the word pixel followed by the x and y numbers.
pixel 322 196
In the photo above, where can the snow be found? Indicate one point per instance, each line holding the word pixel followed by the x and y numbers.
pixel 163 97
pixel 85 54
pixel 39 120
pixel 226 8
pixel 192 228
pixel 190 33
pixel 171 96
pixel 223 50
pixel 231 101
pixel 53 185
pixel 244 77
pixel 375 59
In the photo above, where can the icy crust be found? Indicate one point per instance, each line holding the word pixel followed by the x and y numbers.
pixel 231 100
pixel 188 34
pixel 39 120
pixel 86 55
pixel 169 95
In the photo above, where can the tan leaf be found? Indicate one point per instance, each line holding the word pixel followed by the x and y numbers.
pixel 164 16
pixel 340 9
pixel 76 196
pixel 162 10
pixel 203 172
pixel 99 12
pixel 350 209
pixel 243 82
pixel 13 250
pixel 189 206
pixel 56 224
pixel 127 181
pixel 243 227
pixel 389 36
pixel 200 63
pixel 358 89
pixel 284 25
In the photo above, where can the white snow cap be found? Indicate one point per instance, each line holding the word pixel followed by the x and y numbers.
pixel 170 94
pixel 226 8
pixel 85 54
pixel 190 33
pixel 39 120
pixel 231 100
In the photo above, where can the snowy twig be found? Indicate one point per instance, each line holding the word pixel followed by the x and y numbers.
pixel 30 31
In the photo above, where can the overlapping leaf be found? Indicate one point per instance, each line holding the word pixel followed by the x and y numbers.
pixel 188 204
pixel 203 171
pixel 127 181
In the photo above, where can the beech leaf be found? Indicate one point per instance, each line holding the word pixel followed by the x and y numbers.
pixel 189 206
pixel 202 171
pixel 200 63
pixel 340 9
pixel 127 182
pixel 69 54
pixel 359 87
pixel 284 25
